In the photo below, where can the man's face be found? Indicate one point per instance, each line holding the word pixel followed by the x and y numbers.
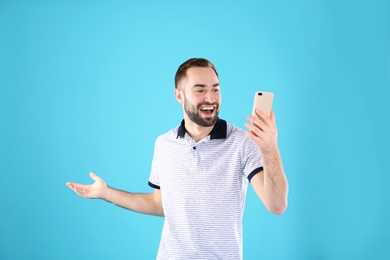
pixel 201 96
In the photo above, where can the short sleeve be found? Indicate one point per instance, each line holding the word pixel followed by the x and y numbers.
pixel 250 158
pixel 154 174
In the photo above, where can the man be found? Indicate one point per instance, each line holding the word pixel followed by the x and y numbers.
pixel 200 172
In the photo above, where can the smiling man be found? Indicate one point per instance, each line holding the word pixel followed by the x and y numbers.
pixel 200 172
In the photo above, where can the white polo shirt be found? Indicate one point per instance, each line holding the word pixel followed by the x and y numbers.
pixel 203 189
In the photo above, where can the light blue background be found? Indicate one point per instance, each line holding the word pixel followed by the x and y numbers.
pixel 88 86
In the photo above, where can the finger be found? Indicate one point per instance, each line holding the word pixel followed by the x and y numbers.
pixel 70 185
pixel 270 122
pixel 255 137
pixel 78 188
pixel 82 190
pixel 263 117
pixel 255 130
pixel 254 120
pixel 272 117
pixel 260 130
pixel 259 124
pixel 73 187
pixel 94 176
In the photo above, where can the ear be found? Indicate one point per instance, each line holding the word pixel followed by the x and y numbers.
pixel 178 95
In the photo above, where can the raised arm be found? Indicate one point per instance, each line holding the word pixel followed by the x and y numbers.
pixel 148 203
pixel 271 184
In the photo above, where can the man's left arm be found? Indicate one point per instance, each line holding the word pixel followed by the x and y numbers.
pixel 270 184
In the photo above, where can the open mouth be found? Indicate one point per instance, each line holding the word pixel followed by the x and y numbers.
pixel 207 110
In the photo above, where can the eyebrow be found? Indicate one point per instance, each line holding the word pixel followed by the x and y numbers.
pixel 203 85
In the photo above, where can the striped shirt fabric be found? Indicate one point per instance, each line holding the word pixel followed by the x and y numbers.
pixel 203 188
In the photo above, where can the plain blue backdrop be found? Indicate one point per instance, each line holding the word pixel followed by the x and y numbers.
pixel 88 86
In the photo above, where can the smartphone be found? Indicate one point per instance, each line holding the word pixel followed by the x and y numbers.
pixel 263 101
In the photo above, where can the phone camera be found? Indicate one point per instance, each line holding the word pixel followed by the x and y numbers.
pixel 259 93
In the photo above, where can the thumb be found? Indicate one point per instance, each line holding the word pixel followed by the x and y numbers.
pixel 272 117
pixel 94 176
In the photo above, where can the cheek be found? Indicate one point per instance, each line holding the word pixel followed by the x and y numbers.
pixel 192 104
pixel 218 98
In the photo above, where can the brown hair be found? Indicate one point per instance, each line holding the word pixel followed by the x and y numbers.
pixel 193 62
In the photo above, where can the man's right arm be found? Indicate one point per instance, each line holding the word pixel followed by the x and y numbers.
pixel 147 203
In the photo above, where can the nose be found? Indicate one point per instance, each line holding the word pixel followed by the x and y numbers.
pixel 210 97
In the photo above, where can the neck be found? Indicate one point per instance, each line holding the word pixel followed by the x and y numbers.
pixel 196 131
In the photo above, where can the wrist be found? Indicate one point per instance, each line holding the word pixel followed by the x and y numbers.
pixel 107 193
pixel 270 152
pixel 271 158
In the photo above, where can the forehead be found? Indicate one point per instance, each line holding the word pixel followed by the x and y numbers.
pixel 200 75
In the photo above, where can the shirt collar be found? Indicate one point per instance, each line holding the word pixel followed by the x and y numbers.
pixel 219 130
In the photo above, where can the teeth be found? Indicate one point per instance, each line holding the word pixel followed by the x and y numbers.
pixel 207 108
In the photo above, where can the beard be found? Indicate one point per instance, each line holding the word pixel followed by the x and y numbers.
pixel 193 113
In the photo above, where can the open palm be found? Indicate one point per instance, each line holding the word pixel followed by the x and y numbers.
pixel 92 191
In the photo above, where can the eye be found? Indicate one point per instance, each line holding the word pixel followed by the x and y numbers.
pixel 216 90
pixel 200 91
